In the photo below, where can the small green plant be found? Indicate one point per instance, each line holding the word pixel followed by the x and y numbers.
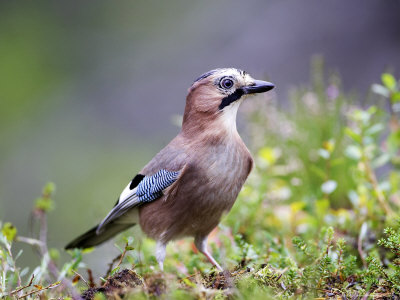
pixel 45 279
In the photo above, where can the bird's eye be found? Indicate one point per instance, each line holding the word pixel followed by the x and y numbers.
pixel 226 83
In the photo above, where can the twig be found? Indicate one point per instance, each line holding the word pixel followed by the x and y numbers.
pixel 327 248
pixel 379 193
pixel 120 257
pixel 339 264
pixel 365 297
pixel 44 252
pixel 360 250
pixel 43 249
pixel 91 279
pixel 29 241
pixel 8 247
pixel 23 287
pixel 190 276
pixel 76 273
pixel 110 265
pixel 53 285
pixel 394 124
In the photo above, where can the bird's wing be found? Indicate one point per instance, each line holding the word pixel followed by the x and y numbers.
pixel 141 189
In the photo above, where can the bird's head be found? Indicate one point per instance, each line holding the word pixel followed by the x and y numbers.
pixel 214 98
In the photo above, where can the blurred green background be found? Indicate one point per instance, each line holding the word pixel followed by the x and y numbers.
pixel 88 89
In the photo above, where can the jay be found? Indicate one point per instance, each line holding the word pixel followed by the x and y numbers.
pixel 187 187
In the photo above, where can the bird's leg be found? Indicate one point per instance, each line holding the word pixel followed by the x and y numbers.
pixel 201 245
pixel 160 253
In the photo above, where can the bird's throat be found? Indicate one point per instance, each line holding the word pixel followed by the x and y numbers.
pixel 228 117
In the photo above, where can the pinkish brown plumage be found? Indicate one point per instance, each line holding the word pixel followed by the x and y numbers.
pixel 211 161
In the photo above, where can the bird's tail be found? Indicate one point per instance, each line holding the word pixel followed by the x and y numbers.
pixel 91 238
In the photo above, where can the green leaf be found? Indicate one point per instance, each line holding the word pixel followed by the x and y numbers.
pixel 19 254
pixel 329 145
pixel 115 270
pixel 49 188
pixel 328 187
pixel 371 111
pixel 324 153
pixel 380 90
pixel 353 152
pixel 9 231
pixel 188 282
pixel 381 160
pixel 322 207
pixel 389 81
pixel 45 204
pixel 99 296
pixel 393 141
pixel 354 198
pixel 54 254
pixel 337 161
pixel 269 155
pixel 395 97
pixel 128 240
pixel 375 129
pixel 352 134
pixel 317 171
pixel 394 179
pixel 363 231
pixel 87 250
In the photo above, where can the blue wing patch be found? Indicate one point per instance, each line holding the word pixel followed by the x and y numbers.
pixel 151 187
pixel 148 189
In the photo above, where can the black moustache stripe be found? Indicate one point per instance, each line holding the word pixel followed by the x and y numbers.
pixel 231 98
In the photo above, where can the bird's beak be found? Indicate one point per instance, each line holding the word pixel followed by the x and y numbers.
pixel 258 86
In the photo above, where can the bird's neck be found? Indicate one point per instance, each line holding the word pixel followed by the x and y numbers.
pixel 205 127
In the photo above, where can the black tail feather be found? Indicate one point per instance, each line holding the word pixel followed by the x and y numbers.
pixel 91 239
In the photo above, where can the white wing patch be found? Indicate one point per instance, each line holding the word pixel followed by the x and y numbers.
pixel 149 189
pixel 126 193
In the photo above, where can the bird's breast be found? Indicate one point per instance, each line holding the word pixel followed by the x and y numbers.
pixel 225 169
pixel 207 188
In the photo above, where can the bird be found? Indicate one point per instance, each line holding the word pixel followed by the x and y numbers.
pixel 192 182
